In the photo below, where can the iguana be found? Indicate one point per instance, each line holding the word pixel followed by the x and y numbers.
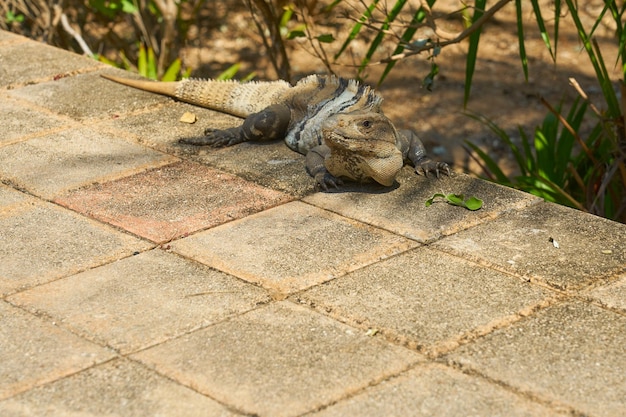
pixel 336 123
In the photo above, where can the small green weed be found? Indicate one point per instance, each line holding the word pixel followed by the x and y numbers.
pixel 11 17
pixel 471 203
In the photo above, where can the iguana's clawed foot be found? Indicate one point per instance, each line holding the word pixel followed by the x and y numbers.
pixel 325 181
pixel 428 166
pixel 215 138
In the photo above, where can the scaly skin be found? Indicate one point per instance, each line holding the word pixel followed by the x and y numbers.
pixel 338 124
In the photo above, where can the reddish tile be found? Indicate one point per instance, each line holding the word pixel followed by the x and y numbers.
pixel 172 201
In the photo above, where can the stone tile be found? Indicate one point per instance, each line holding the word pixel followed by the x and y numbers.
pixel 10 37
pixel 10 197
pixel 117 388
pixel 291 247
pixel 176 296
pixel 172 201
pixel 161 127
pixel 426 299
pixel 571 353
pixel 279 360
pixel 402 209
pixel 41 242
pixel 272 165
pixel 88 96
pixel 612 295
pixel 51 164
pixel 18 121
pixel 589 247
pixel 435 390
pixel 34 352
pixel 58 63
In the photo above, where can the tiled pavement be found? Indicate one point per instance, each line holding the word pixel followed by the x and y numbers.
pixel 143 278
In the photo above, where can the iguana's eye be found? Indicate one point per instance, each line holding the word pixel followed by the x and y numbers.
pixel 366 124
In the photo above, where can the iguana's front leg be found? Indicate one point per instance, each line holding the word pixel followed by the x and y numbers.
pixel 268 124
pixel 413 150
pixel 315 167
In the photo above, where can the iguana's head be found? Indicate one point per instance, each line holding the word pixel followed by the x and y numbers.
pixel 363 145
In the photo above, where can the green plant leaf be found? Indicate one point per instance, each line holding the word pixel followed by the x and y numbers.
pixel 172 71
pixel 607 87
pixel 128 6
pixel 471 203
pixel 431 200
pixel 565 144
pixel 127 65
pixel 142 61
pixel 109 9
pixel 102 58
pixel 520 37
pixel 326 38
pixel 296 34
pixel 610 97
pixel 527 163
pixel 492 165
pixel 406 37
pixel 152 65
pixel 472 52
pixel 618 18
pixel 521 159
pixel 11 17
pixel 286 17
pixel 429 80
pixel 542 28
pixel 607 6
pixel 331 6
pixel 390 17
pixel 229 73
pixel 544 159
pixel 249 77
pixel 455 199
pixel 557 19
pixel 357 28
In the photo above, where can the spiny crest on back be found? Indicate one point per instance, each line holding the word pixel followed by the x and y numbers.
pixel 331 87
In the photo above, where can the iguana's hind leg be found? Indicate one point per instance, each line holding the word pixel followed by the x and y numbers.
pixel 268 124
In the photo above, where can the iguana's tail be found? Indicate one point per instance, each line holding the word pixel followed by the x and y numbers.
pixel 238 99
